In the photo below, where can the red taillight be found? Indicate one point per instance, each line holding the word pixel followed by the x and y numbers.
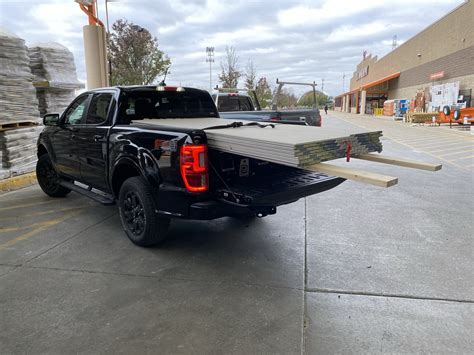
pixel 170 88
pixel 233 94
pixel 194 167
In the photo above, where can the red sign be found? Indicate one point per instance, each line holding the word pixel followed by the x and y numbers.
pixel 438 75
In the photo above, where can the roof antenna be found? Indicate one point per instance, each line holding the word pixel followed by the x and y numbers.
pixel 162 82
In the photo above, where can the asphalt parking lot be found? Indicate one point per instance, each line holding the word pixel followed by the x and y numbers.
pixel 357 269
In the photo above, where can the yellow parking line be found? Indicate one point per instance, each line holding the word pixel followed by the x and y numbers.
pixel 44 212
pixel 466 147
pixel 459 152
pixel 436 144
pixel 27 205
pixel 14 229
pixel 437 141
pixel 464 158
pixel 44 225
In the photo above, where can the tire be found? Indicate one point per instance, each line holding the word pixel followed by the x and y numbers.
pixel 137 214
pixel 446 110
pixel 48 178
pixel 457 114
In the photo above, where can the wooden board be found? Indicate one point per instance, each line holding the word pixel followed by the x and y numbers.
pixel 355 175
pixel 399 162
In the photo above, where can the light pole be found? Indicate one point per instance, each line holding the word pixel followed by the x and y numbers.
pixel 210 60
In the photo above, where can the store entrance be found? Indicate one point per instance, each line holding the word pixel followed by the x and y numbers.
pixel 374 101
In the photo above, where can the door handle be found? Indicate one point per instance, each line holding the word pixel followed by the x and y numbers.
pixel 98 137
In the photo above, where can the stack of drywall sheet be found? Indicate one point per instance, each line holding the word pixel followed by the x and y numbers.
pixel 291 145
pixel 55 76
pixel 17 94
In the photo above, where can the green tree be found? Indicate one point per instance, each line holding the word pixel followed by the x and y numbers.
pixel 230 73
pixel 307 99
pixel 134 55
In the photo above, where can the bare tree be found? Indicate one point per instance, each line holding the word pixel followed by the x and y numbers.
pixel 287 98
pixel 230 73
pixel 250 75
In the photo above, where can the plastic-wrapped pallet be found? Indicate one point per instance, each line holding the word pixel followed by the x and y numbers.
pixel 18 150
pixel 55 76
pixel 18 100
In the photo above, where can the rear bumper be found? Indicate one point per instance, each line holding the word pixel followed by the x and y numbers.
pixel 261 197
pixel 214 209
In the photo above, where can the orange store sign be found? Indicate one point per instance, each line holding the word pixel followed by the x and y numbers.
pixel 438 75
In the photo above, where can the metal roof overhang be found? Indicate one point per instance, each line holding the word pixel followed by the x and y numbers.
pixel 372 84
pixel 348 93
pixel 380 81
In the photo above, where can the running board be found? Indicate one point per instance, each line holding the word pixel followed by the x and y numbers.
pixel 104 200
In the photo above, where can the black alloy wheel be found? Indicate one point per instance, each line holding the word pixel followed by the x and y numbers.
pixel 48 178
pixel 133 213
pixel 140 221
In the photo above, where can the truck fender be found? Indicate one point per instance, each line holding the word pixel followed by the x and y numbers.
pixel 143 165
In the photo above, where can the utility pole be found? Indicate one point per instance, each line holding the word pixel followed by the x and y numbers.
pixel 210 60
pixel 322 86
pixel 108 38
pixel 343 86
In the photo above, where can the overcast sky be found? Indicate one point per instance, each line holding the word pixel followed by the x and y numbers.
pixel 291 40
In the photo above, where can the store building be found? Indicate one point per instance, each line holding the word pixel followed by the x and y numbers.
pixel 441 54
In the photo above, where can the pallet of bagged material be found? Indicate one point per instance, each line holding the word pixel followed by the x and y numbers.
pixel 9 125
pixel 290 145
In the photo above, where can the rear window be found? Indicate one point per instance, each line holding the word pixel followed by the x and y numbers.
pixel 234 103
pixel 168 104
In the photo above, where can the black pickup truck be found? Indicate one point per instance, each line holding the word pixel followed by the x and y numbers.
pixel 102 147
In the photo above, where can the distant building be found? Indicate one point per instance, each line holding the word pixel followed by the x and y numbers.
pixel 440 54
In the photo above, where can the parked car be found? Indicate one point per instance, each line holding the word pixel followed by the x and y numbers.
pixel 243 104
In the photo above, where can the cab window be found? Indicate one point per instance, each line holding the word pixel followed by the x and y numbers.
pixel 99 108
pixel 235 103
pixel 75 113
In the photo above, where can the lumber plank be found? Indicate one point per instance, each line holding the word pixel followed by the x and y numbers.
pixel 399 162
pixel 355 175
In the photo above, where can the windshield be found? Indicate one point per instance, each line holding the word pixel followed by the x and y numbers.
pixel 168 104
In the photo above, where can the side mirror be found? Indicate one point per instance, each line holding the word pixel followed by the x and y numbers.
pixel 51 119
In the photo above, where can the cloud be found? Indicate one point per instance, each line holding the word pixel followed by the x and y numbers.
pixel 298 40
pixel 328 11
